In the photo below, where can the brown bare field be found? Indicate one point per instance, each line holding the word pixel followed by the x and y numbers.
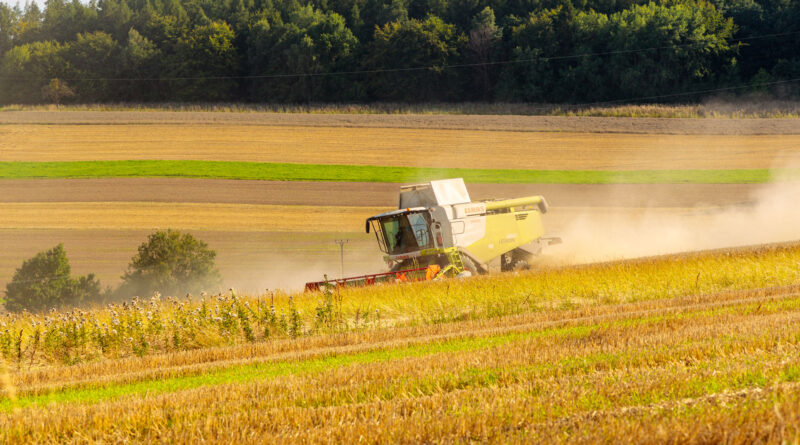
pixel 190 190
pixel 437 121
pixel 395 147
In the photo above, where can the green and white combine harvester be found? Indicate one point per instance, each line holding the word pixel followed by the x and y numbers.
pixel 438 231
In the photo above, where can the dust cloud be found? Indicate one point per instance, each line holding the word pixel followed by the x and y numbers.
pixel 769 214
pixel 637 226
pixel 289 271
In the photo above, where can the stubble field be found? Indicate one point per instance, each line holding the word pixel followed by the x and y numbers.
pixel 691 348
pixel 461 148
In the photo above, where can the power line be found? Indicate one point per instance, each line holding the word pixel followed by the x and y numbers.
pixel 406 69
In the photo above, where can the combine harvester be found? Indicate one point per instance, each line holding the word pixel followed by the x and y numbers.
pixel 438 231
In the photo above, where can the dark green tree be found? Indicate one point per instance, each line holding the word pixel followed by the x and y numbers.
pixel 44 282
pixel 170 262
pixel 94 60
pixel 205 60
pixel 115 17
pixel 63 20
pixel 25 69
pixel 757 19
pixel 692 41
pixel 142 61
pixel 9 23
pixel 482 51
pixel 647 50
pixel 520 50
pixel 462 12
pixel 415 55
pixel 30 25
pixel 300 51
pixel 396 11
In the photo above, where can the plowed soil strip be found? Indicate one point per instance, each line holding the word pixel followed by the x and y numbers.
pixel 422 121
pixel 372 194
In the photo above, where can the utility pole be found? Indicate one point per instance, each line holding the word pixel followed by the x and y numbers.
pixel 341 243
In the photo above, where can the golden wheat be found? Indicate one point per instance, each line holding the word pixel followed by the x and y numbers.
pixel 412 147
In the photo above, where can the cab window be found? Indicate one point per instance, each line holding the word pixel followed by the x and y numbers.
pixel 406 233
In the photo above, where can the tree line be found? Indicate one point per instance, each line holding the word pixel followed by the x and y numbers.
pixel 566 51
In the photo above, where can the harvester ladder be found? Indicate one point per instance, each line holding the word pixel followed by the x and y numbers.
pixel 454 258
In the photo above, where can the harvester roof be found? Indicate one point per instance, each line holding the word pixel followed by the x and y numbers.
pixel 441 192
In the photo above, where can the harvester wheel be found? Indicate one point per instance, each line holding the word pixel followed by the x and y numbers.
pixel 522 265
pixel 517 259
pixel 506 262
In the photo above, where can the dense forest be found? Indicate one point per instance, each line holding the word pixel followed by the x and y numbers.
pixel 565 51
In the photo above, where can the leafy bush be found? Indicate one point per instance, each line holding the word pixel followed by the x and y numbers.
pixel 170 262
pixel 44 282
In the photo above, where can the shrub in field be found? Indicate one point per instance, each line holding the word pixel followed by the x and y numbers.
pixel 170 262
pixel 56 91
pixel 44 282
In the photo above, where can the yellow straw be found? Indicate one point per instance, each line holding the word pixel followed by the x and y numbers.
pixel 5 379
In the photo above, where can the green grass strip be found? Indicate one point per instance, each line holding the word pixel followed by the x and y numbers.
pixel 362 173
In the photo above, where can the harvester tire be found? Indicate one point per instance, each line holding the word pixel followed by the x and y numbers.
pixel 522 265
pixel 506 262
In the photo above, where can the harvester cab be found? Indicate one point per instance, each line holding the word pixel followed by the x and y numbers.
pixel 402 231
pixel 439 231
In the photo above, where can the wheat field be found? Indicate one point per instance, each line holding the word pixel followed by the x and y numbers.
pixel 187 216
pixel 403 147
pixel 690 348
